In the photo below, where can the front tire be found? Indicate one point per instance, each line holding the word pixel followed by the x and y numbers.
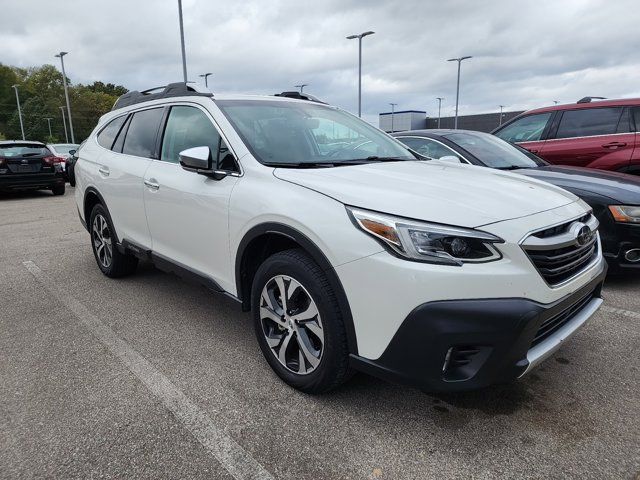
pixel 298 323
pixel 110 261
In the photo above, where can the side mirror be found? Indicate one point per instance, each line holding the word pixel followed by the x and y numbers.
pixel 72 152
pixel 198 160
pixel 450 159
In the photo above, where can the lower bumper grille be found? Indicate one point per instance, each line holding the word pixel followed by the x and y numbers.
pixel 556 322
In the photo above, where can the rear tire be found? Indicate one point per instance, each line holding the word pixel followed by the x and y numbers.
pixel 303 338
pixel 110 260
pixel 58 190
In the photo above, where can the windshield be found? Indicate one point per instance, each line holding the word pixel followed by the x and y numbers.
pixel 24 150
pixel 494 152
pixel 64 148
pixel 307 134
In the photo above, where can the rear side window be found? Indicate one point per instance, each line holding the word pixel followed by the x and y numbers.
pixel 188 127
pixel 588 122
pixel 141 134
pixel 636 116
pixel 525 129
pixel 108 133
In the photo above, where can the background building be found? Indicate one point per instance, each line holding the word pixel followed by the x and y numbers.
pixel 417 120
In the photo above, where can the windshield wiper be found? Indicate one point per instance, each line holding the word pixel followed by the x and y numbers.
pixel 299 164
pixel 510 167
pixel 372 158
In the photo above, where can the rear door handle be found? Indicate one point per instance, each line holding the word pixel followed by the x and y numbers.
pixel 533 150
pixel 614 145
pixel 104 171
pixel 151 184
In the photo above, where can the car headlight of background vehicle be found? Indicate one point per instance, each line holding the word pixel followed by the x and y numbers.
pixel 428 242
pixel 625 213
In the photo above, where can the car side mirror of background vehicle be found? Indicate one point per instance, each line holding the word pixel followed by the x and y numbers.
pixel 198 160
pixel 72 152
pixel 450 159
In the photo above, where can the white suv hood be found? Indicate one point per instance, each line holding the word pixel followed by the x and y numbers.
pixel 462 195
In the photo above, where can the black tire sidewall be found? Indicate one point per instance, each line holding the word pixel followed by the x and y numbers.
pixel 295 263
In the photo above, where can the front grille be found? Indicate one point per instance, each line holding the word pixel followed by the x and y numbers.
pixel 552 324
pixel 556 252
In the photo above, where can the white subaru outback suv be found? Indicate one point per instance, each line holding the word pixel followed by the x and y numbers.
pixel 351 253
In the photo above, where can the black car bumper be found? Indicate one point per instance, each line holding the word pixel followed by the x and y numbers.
pixel 30 181
pixel 625 239
pixel 467 344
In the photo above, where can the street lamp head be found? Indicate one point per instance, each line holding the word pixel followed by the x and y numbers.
pixel 61 54
pixel 459 59
pixel 205 75
pixel 363 34
pixel 15 86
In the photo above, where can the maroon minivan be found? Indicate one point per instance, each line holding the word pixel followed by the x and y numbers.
pixel 597 134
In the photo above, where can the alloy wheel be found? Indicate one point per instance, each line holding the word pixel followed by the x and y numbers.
pixel 291 324
pixel 102 241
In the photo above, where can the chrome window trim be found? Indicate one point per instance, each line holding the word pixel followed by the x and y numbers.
pixel 590 136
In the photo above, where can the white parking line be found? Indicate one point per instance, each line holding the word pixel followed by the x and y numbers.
pixel 237 461
pixel 621 311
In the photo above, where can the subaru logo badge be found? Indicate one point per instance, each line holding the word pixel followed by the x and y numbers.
pixel 584 236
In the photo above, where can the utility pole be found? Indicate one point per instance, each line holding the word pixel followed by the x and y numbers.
pixel 301 86
pixel 360 37
pixel 500 119
pixel 66 136
pixel 439 107
pixel 66 93
pixel 48 119
pixel 184 55
pixel 459 60
pixel 15 87
pixel 393 106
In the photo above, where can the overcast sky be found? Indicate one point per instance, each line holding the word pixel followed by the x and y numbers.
pixel 526 53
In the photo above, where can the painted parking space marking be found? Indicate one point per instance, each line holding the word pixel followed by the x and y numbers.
pixel 237 461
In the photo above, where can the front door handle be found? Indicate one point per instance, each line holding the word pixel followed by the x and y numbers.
pixel 151 184
pixel 614 145
pixel 104 171
pixel 533 150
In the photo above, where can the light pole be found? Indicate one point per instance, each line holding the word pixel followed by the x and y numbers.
pixel 393 110
pixel 439 107
pixel 184 55
pixel 48 119
pixel 459 60
pixel 15 87
pixel 66 136
pixel 205 75
pixel 66 94
pixel 360 37
pixel 500 119
pixel 301 86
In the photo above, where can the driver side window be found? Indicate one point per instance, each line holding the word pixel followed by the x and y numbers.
pixel 189 127
pixel 525 129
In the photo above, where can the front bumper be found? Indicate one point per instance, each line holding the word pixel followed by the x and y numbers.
pixel 620 239
pixel 31 181
pixel 458 345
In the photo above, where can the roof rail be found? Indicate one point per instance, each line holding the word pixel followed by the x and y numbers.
pixel 588 99
pixel 299 96
pixel 178 89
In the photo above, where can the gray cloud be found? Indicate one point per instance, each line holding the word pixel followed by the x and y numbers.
pixel 526 54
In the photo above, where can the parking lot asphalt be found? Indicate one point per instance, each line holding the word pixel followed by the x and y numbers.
pixel 153 377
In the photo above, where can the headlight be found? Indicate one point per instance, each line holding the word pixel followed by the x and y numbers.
pixel 625 213
pixel 428 242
